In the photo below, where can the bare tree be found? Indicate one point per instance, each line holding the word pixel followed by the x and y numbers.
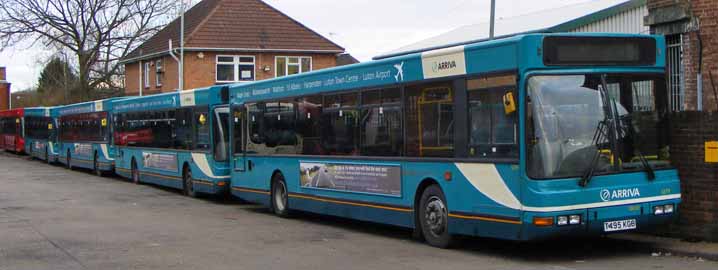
pixel 96 32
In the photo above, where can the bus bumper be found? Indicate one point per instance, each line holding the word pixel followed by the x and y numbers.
pixel 213 186
pixel 599 221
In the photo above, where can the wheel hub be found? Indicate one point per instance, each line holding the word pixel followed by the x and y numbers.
pixel 280 194
pixel 436 216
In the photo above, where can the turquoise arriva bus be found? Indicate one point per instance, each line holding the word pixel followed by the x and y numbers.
pixel 177 140
pixel 526 137
pixel 85 136
pixel 40 133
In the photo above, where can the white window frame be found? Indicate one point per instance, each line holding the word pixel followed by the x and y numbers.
pixel 286 65
pixel 236 63
pixel 158 72
pixel 147 74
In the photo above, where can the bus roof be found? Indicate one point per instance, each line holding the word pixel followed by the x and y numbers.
pixel 40 111
pixel 12 112
pixel 87 107
pixel 498 55
pixel 187 98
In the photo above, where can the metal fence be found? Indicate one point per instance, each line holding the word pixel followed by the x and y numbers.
pixel 676 78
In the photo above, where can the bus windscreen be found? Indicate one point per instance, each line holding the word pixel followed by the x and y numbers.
pixel 601 51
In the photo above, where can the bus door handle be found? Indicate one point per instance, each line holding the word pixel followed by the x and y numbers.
pixel 249 165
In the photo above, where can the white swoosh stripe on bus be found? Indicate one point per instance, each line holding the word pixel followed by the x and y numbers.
pixel 103 148
pixel 486 179
pixel 201 161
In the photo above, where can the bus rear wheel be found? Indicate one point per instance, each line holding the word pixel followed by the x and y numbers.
pixel 434 218
pixel 135 173
pixel 188 185
pixel 280 196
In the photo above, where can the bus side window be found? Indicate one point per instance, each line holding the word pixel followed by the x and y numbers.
pixel 183 132
pixel 201 124
pixel 492 131
pixel 309 111
pixel 429 120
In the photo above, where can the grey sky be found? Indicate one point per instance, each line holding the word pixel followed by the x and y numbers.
pixel 366 28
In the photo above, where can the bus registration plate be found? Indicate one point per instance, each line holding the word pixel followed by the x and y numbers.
pixel 619 225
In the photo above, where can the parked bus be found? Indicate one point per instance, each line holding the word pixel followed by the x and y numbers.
pixel 178 140
pixel 85 136
pixel 526 137
pixel 40 133
pixel 11 133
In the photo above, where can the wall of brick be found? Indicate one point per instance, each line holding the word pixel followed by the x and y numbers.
pixel 4 90
pixel 699 210
pixel 704 25
pixel 201 71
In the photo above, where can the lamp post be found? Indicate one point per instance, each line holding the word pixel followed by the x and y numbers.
pixel 493 19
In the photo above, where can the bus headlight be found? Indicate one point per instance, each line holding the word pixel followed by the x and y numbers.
pixel 561 220
pixel 668 209
pixel 658 210
pixel 574 219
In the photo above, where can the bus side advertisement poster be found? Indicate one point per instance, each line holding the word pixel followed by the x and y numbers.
pixel 159 161
pixel 363 178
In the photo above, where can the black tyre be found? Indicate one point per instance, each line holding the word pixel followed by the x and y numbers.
pixel 96 166
pixel 434 218
pixel 68 159
pixel 187 183
pixel 280 196
pixel 135 173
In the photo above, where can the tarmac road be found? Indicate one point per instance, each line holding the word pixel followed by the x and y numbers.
pixel 52 218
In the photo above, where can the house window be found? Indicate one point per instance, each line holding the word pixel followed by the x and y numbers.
pixel 147 75
pixel 289 65
pixel 235 69
pixel 158 75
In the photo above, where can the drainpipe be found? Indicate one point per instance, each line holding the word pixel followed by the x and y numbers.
pixel 141 81
pixel 699 77
pixel 179 64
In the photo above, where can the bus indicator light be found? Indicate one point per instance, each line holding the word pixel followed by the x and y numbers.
pixel 447 176
pixel 543 221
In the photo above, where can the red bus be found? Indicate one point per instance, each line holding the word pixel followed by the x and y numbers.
pixel 11 130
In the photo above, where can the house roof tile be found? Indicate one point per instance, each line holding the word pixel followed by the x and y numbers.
pixel 239 25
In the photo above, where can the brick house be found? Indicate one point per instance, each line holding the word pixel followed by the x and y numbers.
pixel 691 31
pixel 4 91
pixel 227 41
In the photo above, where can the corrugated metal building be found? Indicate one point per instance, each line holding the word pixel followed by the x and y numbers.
pixel 614 16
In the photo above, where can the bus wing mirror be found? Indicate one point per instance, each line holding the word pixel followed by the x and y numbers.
pixel 509 103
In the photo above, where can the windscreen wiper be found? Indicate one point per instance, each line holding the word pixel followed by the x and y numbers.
pixel 606 128
pixel 598 137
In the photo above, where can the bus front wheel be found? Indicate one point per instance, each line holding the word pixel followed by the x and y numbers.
pixel 96 166
pixel 188 185
pixel 135 173
pixel 434 217
pixel 68 160
pixel 280 196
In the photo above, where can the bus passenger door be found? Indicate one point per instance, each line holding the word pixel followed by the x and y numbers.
pixel 239 157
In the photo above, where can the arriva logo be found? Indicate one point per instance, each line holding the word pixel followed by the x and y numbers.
pixel 607 195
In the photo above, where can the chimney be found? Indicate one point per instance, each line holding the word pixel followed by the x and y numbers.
pixel 4 90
